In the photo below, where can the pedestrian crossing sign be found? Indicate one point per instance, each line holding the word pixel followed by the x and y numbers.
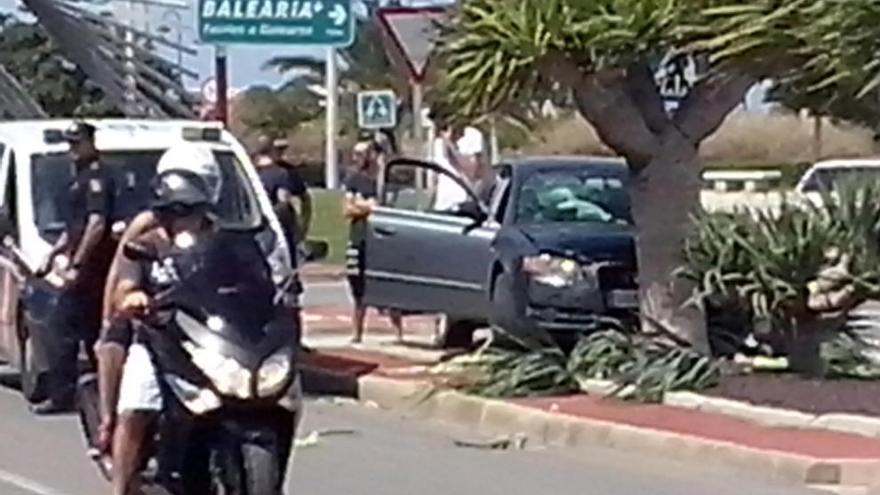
pixel 377 109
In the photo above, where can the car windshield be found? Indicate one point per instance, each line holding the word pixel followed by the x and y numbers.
pixel 828 179
pixel 132 172
pixel 573 196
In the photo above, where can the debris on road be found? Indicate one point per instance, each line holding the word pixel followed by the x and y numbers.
pixel 509 442
pixel 314 437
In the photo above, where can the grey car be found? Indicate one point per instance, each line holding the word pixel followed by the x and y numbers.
pixel 548 243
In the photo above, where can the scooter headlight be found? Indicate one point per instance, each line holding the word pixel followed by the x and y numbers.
pixel 274 373
pixel 230 378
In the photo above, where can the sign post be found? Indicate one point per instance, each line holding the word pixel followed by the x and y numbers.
pixel 377 109
pixel 412 33
pixel 327 23
pixel 331 167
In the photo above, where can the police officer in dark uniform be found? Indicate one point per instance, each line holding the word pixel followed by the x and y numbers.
pixel 87 244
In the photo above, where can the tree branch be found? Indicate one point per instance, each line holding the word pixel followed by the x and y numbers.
pixel 601 99
pixel 642 88
pixel 709 102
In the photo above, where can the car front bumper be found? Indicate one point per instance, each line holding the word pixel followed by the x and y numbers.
pixel 576 307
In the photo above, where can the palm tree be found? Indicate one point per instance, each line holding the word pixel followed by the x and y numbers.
pixel 499 52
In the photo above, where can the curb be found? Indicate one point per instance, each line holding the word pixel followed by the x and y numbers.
pixel 775 417
pixel 495 417
pixel 422 400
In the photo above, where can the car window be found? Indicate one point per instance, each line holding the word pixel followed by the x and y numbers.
pixel 571 196
pixel 403 191
pixel 827 179
pixel 132 172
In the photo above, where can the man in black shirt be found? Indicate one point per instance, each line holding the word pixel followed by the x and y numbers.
pixel 87 245
pixel 360 199
pixel 284 186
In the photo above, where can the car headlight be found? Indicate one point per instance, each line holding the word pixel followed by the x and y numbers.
pixel 555 271
pixel 230 378
pixel 274 373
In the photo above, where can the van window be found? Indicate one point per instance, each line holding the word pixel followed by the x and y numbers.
pixel 827 179
pixel 132 172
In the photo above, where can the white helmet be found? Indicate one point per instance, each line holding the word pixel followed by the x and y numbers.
pixel 194 158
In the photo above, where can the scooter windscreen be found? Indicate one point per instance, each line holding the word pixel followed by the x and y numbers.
pixel 221 312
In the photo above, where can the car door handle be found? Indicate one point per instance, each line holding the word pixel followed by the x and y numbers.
pixel 385 231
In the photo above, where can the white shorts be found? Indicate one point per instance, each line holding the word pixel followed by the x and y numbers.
pixel 139 390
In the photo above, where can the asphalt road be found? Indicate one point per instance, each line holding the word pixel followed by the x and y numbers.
pixel 326 293
pixel 382 454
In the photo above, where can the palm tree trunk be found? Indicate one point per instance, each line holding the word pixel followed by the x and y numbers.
pixel 664 195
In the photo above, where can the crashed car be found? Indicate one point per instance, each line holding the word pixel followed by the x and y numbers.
pixel 549 244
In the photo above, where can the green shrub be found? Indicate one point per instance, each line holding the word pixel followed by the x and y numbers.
pixel 776 265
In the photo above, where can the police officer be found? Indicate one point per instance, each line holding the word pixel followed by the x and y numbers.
pixel 87 245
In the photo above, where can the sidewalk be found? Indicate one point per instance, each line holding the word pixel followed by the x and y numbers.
pixel 322 272
pixel 835 462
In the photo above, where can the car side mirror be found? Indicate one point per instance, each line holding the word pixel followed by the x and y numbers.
pixel 139 252
pixel 472 210
pixel 315 250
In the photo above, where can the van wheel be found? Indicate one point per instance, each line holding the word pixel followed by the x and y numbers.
pixel 34 385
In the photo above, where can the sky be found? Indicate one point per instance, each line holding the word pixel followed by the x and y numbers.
pixel 246 62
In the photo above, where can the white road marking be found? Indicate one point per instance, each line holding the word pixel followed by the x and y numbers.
pixel 26 484
pixel 312 318
pixel 344 319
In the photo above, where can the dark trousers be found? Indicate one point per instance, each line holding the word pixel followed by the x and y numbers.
pixel 77 320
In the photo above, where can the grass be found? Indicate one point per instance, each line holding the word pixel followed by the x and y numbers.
pixel 328 224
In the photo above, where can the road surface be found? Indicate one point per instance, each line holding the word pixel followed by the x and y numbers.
pixel 386 455
pixel 326 293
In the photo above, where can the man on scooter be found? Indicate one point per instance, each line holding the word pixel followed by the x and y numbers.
pixel 182 204
pixel 186 191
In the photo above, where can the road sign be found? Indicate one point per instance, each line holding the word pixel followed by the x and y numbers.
pixel 413 31
pixel 377 109
pixel 675 76
pixel 209 91
pixel 288 22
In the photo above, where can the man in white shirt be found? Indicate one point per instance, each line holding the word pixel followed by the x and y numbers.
pixel 449 194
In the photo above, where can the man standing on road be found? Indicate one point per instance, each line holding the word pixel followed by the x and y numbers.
pixel 360 199
pixel 285 188
pixel 87 245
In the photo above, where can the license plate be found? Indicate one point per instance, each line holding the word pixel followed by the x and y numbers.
pixel 623 299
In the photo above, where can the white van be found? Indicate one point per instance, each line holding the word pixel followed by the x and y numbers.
pixel 36 172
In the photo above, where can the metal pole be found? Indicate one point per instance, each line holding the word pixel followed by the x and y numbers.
pixel 417 126
pixel 331 172
pixel 222 83
pixel 493 145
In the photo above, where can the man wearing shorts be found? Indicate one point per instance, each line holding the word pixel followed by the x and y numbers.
pixel 360 199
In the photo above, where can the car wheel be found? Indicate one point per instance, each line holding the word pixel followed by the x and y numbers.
pixel 455 334
pixel 34 384
pixel 509 312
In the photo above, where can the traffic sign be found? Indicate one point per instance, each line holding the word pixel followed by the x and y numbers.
pixel 413 32
pixel 377 109
pixel 265 22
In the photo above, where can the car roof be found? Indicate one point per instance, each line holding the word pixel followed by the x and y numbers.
pixel 111 134
pixel 600 163
pixel 848 163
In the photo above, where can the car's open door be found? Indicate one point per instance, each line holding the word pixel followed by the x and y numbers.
pixel 422 260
